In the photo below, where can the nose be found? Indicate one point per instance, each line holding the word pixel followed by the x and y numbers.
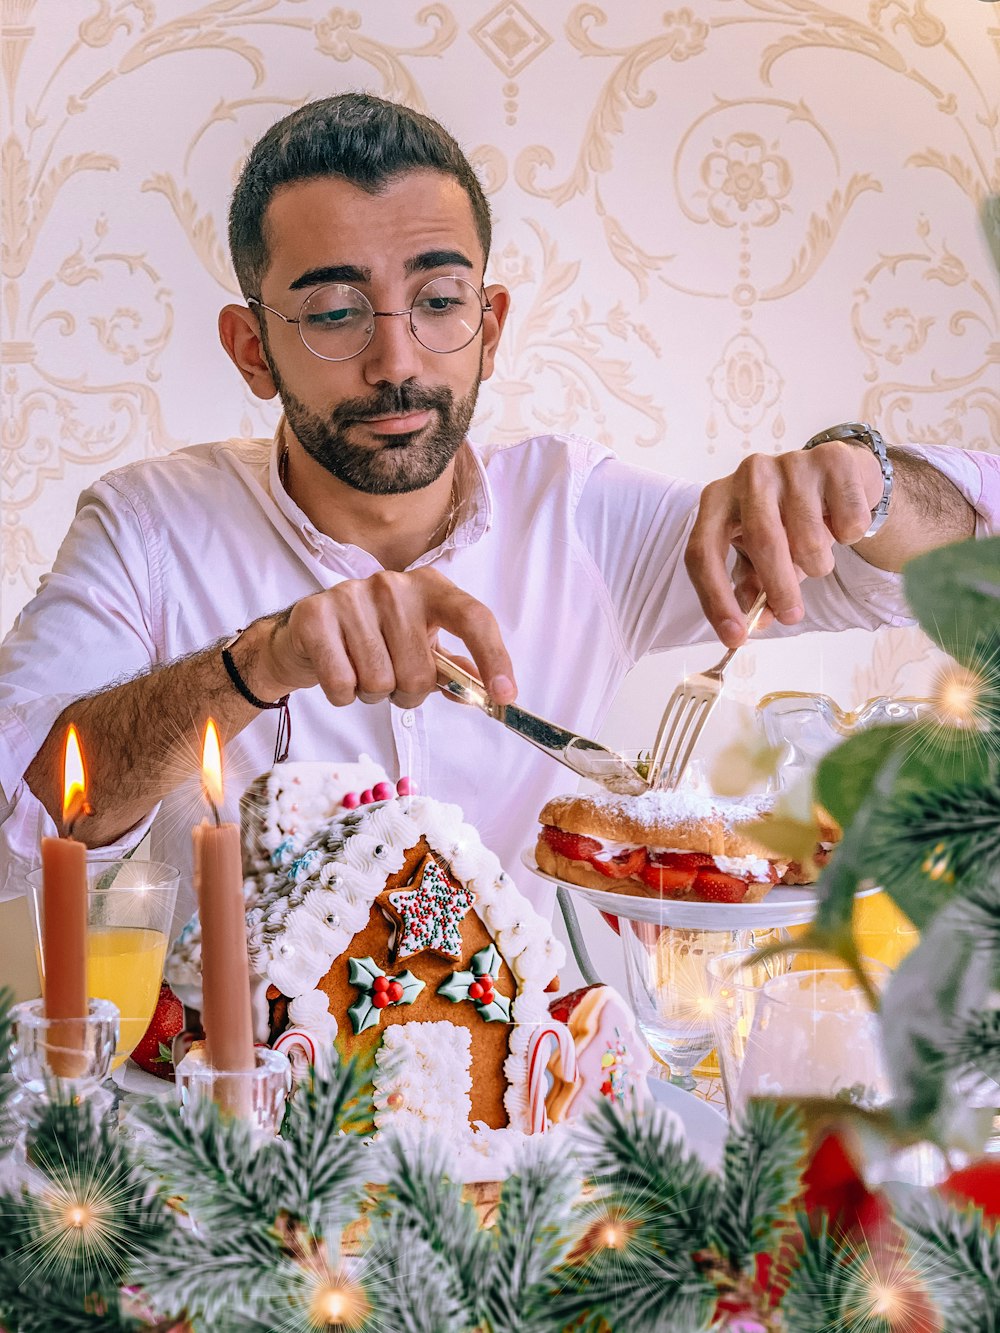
pixel 393 355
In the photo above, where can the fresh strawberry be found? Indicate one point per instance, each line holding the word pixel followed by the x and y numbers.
pixel 622 865
pixel 612 922
pixel 153 1052
pixel 712 886
pixel 682 860
pixel 666 880
pixel 574 846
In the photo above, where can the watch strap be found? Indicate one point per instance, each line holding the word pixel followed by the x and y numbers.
pixel 860 432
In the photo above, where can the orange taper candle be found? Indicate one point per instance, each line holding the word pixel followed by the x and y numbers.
pixel 225 965
pixel 64 923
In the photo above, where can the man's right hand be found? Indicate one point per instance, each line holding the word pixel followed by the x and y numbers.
pixel 371 639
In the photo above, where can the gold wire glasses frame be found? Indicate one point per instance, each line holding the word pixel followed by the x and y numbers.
pixel 337 322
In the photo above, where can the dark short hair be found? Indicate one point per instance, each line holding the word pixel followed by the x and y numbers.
pixel 363 139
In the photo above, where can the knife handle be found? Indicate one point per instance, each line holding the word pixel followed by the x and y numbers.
pixel 459 683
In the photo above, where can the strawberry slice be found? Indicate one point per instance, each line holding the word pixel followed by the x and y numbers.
pixel 622 865
pixel 574 846
pixel 666 879
pixel 712 886
pixel 682 860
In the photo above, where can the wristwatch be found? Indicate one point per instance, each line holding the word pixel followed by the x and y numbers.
pixel 859 432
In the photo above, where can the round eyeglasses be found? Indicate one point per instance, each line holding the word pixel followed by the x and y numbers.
pixel 337 322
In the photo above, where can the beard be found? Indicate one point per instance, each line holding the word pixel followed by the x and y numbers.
pixel 403 463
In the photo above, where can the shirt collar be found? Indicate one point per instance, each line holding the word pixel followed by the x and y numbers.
pixel 474 497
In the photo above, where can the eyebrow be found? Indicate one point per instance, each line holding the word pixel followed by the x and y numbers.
pixel 354 273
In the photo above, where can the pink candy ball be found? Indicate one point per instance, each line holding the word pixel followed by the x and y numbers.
pixel 406 787
pixel 382 791
pixel 351 801
pixel 367 797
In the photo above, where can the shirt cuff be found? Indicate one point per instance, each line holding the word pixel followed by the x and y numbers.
pixel 21 835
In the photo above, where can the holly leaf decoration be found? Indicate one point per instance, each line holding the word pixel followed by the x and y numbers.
pixel 487 962
pixel 412 986
pixel 456 987
pixel 363 1014
pixel 363 971
pixel 497 1011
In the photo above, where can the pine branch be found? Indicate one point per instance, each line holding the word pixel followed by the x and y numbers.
pixel 956 1252
pixel 411 1285
pixel 322 1175
pixel 423 1201
pixel 211 1162
pixel 973 1045
pixel 761 1178
pixel 823 1287
pixel 7 1129
pixel 952 831
pixel 532 1231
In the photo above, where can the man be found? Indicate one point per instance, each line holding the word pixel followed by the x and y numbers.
pixel 329 563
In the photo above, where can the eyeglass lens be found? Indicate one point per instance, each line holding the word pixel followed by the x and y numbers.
pixel 337 322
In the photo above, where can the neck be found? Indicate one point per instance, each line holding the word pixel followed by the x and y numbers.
pixel 395 529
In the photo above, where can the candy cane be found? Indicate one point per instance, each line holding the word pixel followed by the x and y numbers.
pixel 538 1059
pixel 300 1048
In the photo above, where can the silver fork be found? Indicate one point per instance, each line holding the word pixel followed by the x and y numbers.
pixel 686 713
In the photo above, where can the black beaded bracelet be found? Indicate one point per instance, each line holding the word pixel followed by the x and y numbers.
pixel 284 736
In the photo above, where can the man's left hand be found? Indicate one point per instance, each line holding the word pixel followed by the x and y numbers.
pixel 783 514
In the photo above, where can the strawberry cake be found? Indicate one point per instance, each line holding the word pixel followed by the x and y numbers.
pixel 668 844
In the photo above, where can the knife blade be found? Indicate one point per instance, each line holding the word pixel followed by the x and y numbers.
pixel 588 759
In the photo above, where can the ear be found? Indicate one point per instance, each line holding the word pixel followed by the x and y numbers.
pixel 239 333
pixel 493 322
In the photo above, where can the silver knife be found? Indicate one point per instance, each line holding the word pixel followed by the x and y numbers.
pixel 588 759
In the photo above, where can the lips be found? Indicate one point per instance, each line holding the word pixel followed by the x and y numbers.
pixel 404 424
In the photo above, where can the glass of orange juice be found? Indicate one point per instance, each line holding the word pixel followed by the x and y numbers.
pixel 130 905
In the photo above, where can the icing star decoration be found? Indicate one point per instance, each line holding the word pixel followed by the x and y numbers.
pixel 431 911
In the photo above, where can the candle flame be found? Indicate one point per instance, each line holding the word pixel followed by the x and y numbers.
pixel 74 777
pixel 211 764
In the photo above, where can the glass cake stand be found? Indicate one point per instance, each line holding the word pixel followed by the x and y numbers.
pixel 668 947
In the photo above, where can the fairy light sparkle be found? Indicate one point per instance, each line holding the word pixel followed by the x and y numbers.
pixel 339 1302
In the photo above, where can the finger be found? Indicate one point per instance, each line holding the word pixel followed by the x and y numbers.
pixel 364 641
pixel 846 498
pixel 467 664
pixel 810 541
pixel 747 587
pixel 333 667
pixel 403 624
pixel 763 539
pixel 474 623
pixel 705 559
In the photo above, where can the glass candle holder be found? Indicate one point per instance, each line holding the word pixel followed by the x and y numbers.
pixel 256 1095
pixel 81 1049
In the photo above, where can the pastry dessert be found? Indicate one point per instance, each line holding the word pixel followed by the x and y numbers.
pixel 684 845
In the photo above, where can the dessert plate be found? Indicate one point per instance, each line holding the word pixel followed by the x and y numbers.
pixel 786 905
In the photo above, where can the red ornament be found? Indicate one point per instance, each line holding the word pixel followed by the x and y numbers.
pixel 380 984
pixel 367 797
pixel 380 999
pixel 834 1185
pixel 978 1184
pixel 382 791
pixel 406 787
pixel 351 800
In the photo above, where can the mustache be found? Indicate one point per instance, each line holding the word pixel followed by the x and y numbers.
pixel 393 400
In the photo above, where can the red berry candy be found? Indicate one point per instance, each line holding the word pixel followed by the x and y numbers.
pixel 351 801
pixel 380 984
pixel 395 991
pixel 475 991
pixel 380 999
pixel 367 797
pixel 381 791
pixel 486 980
pixel 406 787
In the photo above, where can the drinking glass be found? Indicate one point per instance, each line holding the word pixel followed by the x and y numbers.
pixel 735 981
pixel 814 1034
pixel 130 905
pixel 668 987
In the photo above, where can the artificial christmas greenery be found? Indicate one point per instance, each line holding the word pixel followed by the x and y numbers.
pixel 225 1234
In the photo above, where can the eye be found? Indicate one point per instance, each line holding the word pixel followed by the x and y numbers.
pixel 338 317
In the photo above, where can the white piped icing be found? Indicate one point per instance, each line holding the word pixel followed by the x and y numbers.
pixel 428 1068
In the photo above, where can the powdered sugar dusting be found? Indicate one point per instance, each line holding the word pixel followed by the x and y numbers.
pixel 653 809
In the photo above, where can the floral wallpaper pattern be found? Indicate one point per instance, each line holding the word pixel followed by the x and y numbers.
pixel 725 225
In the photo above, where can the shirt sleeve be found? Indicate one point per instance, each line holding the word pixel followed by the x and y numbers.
pixel 635 525
pixel 87 627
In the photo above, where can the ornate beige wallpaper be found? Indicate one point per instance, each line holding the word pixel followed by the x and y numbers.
pixel 725 225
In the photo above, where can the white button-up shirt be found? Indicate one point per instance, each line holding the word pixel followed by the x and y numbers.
pixel 579 557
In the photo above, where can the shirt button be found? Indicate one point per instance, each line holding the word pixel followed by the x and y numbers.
pixel 407 718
